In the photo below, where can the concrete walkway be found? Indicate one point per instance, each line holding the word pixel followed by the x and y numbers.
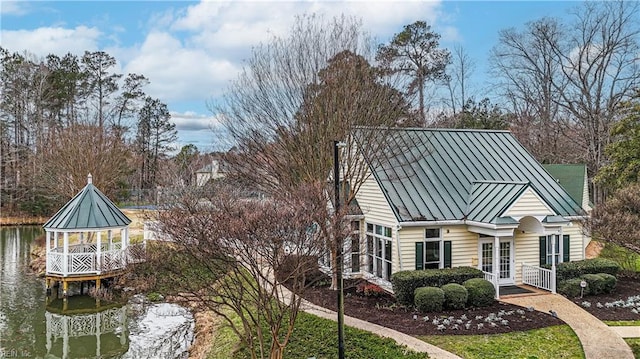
pixel 401 338
pixel 598 340
pixel 627 332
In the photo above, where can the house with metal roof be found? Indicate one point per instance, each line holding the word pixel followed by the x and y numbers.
pixel 438 198
pixel 573 178
pixel 88 240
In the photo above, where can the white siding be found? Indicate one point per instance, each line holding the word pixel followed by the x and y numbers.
pixel 528 204
pixel 374 205
pixel 578 240
pixel 527 250
pixel 464 245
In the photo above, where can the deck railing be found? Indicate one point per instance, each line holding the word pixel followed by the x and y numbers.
pixel 538 277
pixel 81 260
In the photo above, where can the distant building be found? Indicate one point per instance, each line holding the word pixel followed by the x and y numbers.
pixel 212 171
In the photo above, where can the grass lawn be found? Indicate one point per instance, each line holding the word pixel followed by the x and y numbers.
pixel 317 337
pixel 622 323
pixel 552 342
pixel 634 343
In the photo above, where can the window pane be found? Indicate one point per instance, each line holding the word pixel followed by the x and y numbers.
pixel 387 232
pixel 355 226
pixel 369 227
pixel 431 266
pixel 355 262
pixel 388 274
pixel 387 250
pixel 369 244
pixel 379 245
pixel 433 233
pixel 432 251
pixel 355 244
pixel 379 230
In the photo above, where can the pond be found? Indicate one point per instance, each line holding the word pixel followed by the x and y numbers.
pixel 31 326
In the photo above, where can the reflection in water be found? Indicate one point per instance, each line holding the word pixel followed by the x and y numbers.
pixel 31 328
pixel 102 334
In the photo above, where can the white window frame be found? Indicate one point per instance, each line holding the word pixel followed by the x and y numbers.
pixel 440 242
pixel 378 265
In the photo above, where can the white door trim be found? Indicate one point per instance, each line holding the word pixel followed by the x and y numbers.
pixel 511 279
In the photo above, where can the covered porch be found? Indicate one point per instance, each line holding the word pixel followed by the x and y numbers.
pixel 511 253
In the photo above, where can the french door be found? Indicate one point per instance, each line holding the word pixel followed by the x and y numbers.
pixel 505 261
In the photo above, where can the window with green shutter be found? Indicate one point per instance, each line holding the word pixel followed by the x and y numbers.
pixel 419 255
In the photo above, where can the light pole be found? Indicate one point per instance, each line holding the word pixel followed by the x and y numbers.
pixel 336 183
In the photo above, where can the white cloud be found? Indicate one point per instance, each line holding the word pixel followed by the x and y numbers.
pixel 52 40
pixel 177 72
pixel 191 121
pixel 13 8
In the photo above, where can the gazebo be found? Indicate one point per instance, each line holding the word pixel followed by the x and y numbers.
pixel 86 240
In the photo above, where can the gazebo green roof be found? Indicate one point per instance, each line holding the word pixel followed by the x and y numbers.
pixel 89 209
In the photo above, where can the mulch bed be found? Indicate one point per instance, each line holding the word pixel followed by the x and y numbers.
pixel 383 310
pixel 495 319
pixel 615 306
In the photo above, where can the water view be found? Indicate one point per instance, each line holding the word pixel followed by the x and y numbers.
pixel 34 326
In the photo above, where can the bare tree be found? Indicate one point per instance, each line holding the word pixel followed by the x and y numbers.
pixel 228 253
pixel 459 73
pixel 530 80
pixel 574 76
pixel 78 151
pixel 616 220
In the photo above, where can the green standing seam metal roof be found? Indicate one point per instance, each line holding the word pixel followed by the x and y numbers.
pixel 89 209
pixel 489 200
pixel 438 174
pixel 571 178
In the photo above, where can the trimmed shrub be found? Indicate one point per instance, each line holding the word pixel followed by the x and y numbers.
pixel 455 296
pixel 429 299
pixel 571 288
pixel 609 282
pixel 568 270
pixel 595 283
pixel 481 292
pixel 405 282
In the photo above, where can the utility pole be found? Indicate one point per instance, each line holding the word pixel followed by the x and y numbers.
pixel 336 182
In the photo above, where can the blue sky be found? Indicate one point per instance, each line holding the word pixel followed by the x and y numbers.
pixel 190 50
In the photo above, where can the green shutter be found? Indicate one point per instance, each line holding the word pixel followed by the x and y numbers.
pixel 419 255
pixel 447 254
pixel 543 250
pixel 565 248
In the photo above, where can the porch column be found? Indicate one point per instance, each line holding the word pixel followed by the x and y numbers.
pixel 98 251
pixel 496 265
pixel 48 245
pixel 553 262
pixel 110 236
pixel 65 254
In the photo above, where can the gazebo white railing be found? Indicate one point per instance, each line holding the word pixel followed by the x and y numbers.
pixel 83 259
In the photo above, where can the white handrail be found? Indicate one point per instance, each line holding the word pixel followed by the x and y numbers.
pixel 538 277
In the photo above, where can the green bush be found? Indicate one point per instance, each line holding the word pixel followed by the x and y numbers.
pixel 576 269
pixel 481 292
pixel 595 283
pixel 429 299
pixel 405 282
pixel 571 288
pixel 609 282
pixel 455 296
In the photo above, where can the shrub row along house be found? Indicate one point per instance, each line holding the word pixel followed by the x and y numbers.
pixel 447 198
